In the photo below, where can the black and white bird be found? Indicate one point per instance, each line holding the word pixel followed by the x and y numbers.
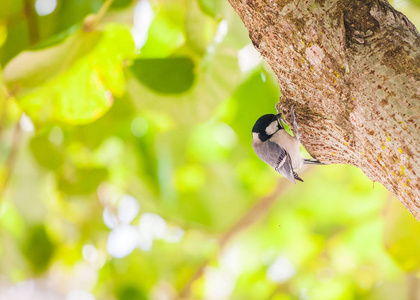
pixel 276 147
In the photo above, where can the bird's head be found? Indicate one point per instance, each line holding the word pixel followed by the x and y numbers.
pixel 266 126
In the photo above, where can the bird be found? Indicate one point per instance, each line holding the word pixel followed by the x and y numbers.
pixel 276 147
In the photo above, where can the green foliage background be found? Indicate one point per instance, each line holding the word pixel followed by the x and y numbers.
pixel 126 170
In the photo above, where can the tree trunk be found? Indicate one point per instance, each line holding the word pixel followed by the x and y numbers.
pixel 351 69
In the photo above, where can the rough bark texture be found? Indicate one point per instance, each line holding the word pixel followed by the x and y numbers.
pixel 351 68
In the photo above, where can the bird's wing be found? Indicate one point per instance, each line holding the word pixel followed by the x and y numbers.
pixel 283 164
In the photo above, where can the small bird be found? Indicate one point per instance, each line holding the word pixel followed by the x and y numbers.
pixel 276 147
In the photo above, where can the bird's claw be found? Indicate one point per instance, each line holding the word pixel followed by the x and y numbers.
pixel 281 119
pixel 295 125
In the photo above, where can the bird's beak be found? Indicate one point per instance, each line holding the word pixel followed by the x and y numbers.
pixel 280 118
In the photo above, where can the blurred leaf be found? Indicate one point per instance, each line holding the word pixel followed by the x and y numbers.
pixel 66 15
pixel 38 248
pixel 3 97
pixel 11 220
pixel 82 180
pixel 131 292
pixel 213 8
pixel 120 4
pixel 166 33
pixel 10 7
pixel 416 2
pixel 69 13
pixel 85 91
pixel 200 28
pixel 46 153
pixel 16 41
pixel 31 68
pixel 3 33
pixel 203 146
pixel 14 32
pixel 190 178
pixel 401 235
pixel 61 37
pixel 336 290
pixel 172 75
pixel 116 121
pixel 210 88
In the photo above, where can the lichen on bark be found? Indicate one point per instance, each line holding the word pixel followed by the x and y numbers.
pixel 351 69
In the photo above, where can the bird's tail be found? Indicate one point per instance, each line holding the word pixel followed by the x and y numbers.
pixel 312 162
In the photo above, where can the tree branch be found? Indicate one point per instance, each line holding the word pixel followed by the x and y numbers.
pixel 351 68
pixel 91 21
pixel 32 22
pixel 413 287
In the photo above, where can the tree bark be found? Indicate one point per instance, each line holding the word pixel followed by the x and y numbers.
pixel 351 69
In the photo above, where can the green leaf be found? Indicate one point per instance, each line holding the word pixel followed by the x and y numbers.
pixel 213 8
pixel 115 122
pixel 172 75
pixel 38 248
pixel 200 28
pixel 166 33
pixel 11 220
pixel 17 40
pixel 10 7
pixel 31 68
pixel 85 91
pixel 82 180
pixel 60 37
pixel 69 13
pixel 46 154
pixel 120 4
pixel 416 2
pixel 131 293
pixel 217 76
